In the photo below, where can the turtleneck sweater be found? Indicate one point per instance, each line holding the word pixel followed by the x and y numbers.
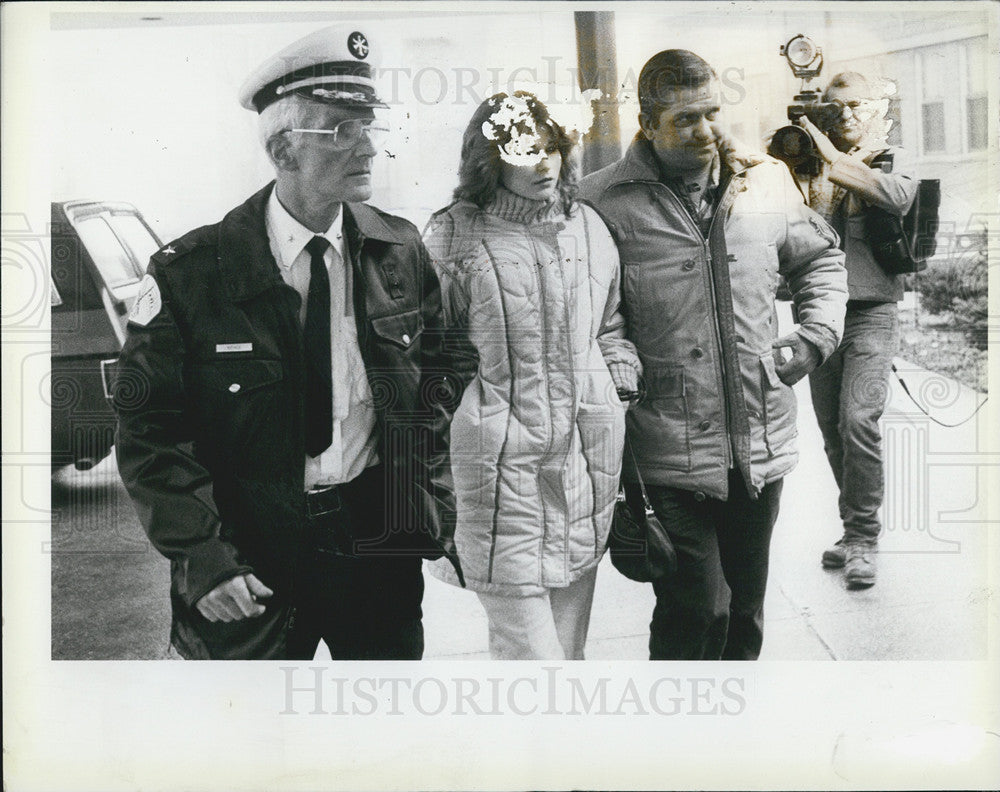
pixel 518 209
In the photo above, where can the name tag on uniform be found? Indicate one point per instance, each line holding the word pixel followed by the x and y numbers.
pixel 220 348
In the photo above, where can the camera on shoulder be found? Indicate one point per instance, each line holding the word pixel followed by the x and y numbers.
pixel 792 144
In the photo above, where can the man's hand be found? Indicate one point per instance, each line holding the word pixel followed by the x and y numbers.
pixel 824 145
pixel 805 357
pixel 234 599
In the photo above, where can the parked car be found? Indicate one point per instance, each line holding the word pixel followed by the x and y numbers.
pixel 99 253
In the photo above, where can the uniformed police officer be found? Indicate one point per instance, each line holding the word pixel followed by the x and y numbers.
pixel 280 427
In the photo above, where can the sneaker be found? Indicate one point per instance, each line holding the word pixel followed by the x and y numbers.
pixel 835 556
pixel 859 567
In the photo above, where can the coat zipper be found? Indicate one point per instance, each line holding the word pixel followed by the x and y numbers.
pixel 544 316
pixel 572 387
pixel 720 370
pixel 722 207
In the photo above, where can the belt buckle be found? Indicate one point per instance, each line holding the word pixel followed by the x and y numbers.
pixel 323 501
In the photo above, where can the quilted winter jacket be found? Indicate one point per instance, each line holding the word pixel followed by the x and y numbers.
pixel 532 299
pixel 701 313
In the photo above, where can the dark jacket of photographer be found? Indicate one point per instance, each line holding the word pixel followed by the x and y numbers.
pixel 209 393
pixel 878 178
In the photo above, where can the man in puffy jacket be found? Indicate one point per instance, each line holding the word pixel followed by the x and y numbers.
pixel 280 427
pixel 849 390
pixel 704 232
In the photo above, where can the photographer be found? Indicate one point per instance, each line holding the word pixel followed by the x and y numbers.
pixel 850 389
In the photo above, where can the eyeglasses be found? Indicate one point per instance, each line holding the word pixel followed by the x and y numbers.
pixel 861 109
pixel 347 134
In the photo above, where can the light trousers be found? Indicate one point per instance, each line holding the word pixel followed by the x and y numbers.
pixel 547 626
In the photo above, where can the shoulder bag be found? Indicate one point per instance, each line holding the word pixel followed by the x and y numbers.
pixel 639 546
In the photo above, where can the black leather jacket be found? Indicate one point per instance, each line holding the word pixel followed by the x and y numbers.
pixel 209 397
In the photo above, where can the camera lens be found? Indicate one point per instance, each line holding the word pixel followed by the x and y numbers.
pixel 791 144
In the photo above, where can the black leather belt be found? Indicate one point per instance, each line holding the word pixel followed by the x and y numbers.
pixel 328 521
pixel 332 512
pixel 863 305
pixel 324 501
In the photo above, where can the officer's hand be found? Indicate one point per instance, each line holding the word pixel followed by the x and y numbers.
pixel 626 380
pixel 824 145
pixel 805 357
pixel 234 599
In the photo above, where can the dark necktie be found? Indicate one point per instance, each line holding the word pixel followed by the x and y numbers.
pixel 316 333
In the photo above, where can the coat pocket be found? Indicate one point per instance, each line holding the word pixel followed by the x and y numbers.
pixel 659 423
pixel 236 377
pixel 236 401
pixel 393 363
pixel 401 330
pixel 777 407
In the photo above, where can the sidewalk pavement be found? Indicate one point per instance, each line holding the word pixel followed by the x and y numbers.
pixel 932 597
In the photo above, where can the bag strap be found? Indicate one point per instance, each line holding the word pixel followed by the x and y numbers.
pixel 642 487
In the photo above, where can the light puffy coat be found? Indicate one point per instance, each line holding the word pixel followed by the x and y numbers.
pixel 532 299
pixel 701 313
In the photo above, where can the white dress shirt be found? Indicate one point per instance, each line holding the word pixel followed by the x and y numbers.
pixel 354 427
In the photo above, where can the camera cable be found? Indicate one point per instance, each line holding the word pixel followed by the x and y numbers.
pixel 922 409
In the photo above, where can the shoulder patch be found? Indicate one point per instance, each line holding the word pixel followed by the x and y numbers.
pixel 147 304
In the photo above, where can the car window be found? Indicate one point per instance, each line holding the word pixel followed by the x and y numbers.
pixel 111 258
pixel 136 236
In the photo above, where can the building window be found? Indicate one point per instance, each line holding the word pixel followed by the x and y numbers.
pixel 975 102
pixel 977 122
pixel 933 126
pixel 937 89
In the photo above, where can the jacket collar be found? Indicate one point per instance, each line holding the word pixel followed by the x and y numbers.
pixel 369 224
pixel 640 163
pixel 245 259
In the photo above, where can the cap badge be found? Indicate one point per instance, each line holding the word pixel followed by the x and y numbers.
pixel 358 45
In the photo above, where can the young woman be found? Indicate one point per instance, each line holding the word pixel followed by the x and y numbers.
pixel 530 286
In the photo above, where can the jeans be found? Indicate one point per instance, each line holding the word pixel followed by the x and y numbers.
pixel 712 608
pixel 849 393
pixel 548 626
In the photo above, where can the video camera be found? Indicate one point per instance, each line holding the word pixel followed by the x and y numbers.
pixel 792 144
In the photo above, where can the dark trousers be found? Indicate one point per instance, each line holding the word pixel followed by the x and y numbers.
pixel 713 607
pixel 849 393
pixel 362 599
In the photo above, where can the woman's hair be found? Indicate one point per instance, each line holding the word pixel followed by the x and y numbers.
pixel 479 169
